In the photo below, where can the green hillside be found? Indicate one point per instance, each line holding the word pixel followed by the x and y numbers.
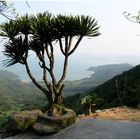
pixel 128 87
pixel 18 95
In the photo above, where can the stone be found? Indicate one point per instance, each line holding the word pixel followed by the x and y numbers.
pixel 97 111
pixel 44 129
pixel 20 121
pixel 52 124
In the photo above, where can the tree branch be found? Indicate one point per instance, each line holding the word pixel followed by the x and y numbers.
pixel 69 45
pixel 66 45
pixel 44 70
pixel 28 4
pixel 76 45
pixel 51 61
pixel 61 47
pixel 64 71
pixel 45 91
pixel 131 18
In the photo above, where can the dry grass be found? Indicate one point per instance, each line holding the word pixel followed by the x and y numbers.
pixel 119 113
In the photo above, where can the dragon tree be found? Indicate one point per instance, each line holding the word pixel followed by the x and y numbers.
pixel 42 34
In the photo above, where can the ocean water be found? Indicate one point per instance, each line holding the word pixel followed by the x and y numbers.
pixel 77 67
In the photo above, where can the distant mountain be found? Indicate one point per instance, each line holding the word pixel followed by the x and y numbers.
pixel 106 72
pixel 4 74
pixel 100 75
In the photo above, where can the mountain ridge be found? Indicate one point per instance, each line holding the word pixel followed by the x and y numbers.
pixel 101 74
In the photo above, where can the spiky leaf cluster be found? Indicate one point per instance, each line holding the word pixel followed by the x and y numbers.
pixel 37 32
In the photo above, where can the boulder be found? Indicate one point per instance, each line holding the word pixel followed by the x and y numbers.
pixel 45 129
pixel 60 120
pixel 20 121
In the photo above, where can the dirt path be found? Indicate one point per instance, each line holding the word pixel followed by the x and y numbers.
pixel 118 113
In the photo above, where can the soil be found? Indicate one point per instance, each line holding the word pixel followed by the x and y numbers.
pixel 119 113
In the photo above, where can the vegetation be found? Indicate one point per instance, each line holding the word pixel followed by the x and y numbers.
pixel 128 88
pixel 39 34
pixel 90 101
pixel 16 95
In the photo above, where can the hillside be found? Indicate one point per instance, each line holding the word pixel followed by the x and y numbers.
pixel 4 74
pixel 16 94
pixel 128 87
pixel 100 75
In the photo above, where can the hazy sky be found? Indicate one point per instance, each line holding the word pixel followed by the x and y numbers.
pixel 118 35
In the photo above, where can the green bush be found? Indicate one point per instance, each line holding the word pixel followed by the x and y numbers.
pixel 3 123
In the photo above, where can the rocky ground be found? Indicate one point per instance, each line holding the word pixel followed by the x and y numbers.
pixel 119 113
pixel 100 124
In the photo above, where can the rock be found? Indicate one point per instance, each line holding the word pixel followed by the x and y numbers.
pixel 56 122
pixel 45 129
pixel 138 106
pixel 20 121
pixel 97 111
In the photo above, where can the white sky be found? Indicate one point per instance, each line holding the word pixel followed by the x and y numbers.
pixel 118 35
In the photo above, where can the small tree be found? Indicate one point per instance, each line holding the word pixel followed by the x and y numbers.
pixel 39 34
pixel 90 101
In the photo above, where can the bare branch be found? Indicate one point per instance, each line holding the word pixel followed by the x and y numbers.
pixel 135 19
pixel 28 4
pixel 7 9
pixel 6 16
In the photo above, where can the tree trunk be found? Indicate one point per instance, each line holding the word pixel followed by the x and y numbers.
pixel 89 110
pixel 58 99
pixel 50 104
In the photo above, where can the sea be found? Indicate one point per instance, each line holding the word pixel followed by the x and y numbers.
pixel 77 66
